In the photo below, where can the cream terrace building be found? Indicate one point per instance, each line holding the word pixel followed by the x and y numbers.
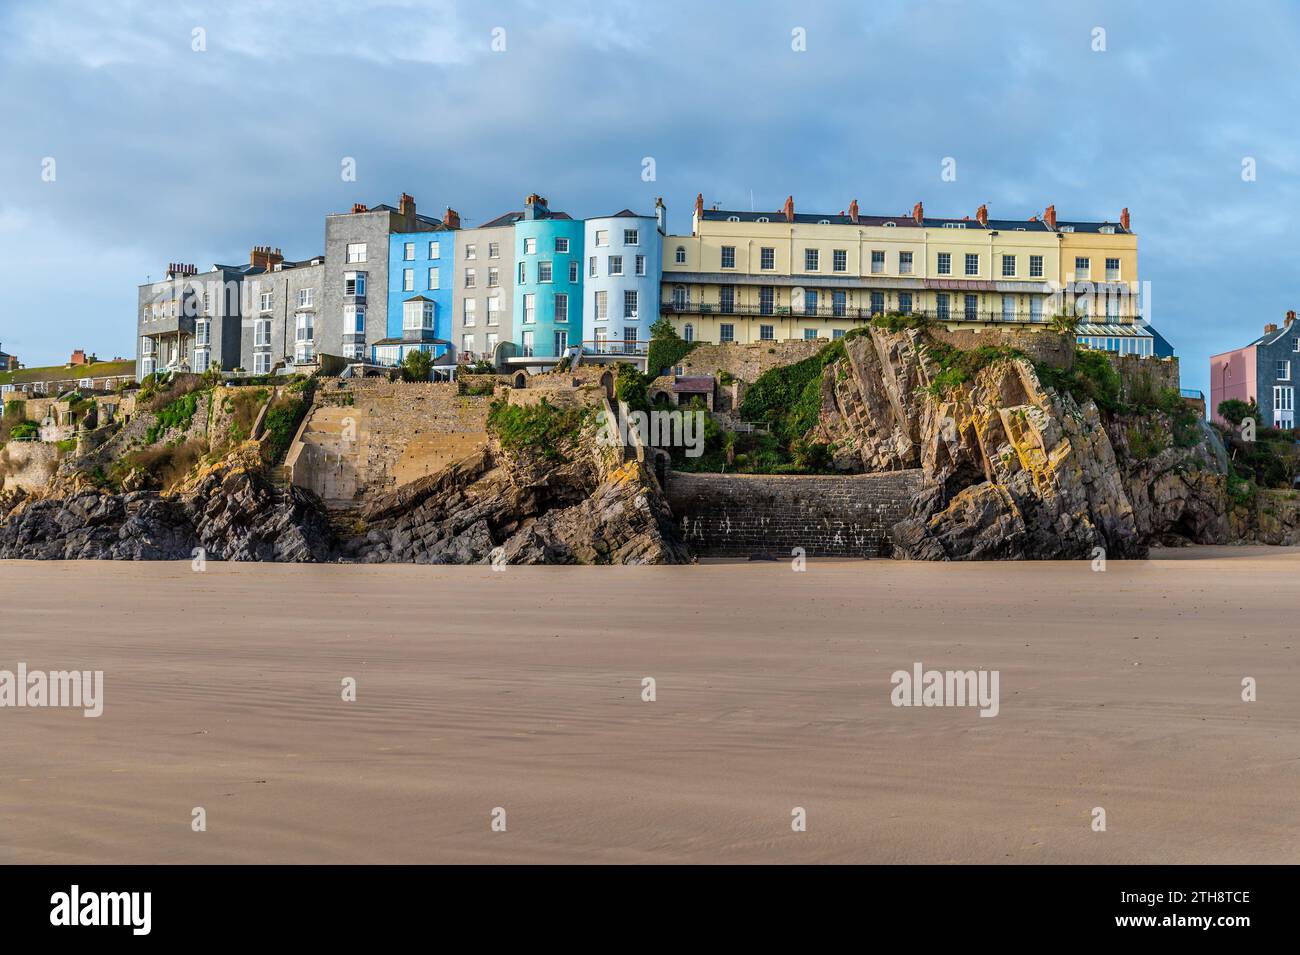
pixel 755 276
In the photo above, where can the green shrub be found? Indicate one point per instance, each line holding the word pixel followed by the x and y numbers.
pixel 789 400
pixel 279 427
pixel 177 414
pixel 897 322
pixel 630 387
pixel 1093 377
pixel 24 430
pixel 958 367
pixel 417 365
pixel 540 427
pixel 667 348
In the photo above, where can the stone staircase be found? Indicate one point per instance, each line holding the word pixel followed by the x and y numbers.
pixel 326 454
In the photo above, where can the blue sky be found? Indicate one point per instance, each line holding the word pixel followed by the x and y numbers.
pixel 164 153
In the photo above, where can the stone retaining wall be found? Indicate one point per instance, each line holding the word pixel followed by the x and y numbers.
pixel 743 515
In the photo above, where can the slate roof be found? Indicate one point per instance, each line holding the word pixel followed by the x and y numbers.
pixel 906 221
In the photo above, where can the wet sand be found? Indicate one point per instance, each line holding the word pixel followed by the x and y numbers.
pixel 522 690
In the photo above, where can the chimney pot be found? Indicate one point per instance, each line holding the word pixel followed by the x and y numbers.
pixel 358 207
pixel 1270 328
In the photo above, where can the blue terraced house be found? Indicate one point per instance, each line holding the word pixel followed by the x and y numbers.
pixel 419 293
pixel 548 281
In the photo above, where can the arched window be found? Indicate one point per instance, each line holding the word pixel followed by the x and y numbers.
pixel 688 333
pixel 681 255
pixel 763 219
pixel 733 218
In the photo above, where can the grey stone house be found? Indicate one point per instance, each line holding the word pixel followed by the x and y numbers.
pixel 482 312
pixel 188 320
pixel 281 331
pixel 354 298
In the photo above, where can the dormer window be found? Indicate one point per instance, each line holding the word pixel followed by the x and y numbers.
pixel 1107 230
pixel 1066 228
pixel 733 218
pixel 823 221
pixel 954 225
pixel 890 225
pixel 762 219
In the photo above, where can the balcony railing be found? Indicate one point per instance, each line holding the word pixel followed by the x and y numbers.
pixel 606 347
pixel 857 314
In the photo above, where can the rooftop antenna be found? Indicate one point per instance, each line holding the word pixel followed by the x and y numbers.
pixel 751 200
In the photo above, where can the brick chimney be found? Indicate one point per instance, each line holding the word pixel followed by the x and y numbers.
pixel 1290 317
pixel 1270 328
pixel 265 257
pixel 451 218
pixel 699 205
pixel 78 357
pixel 406 205
pixel 982 215
pixel 788 209
pixel 918 214
pixel 359 207
pixel 853 211
pixel 1123 219
pixel 1049 216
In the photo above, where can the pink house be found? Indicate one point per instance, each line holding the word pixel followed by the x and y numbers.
pixel 1232 375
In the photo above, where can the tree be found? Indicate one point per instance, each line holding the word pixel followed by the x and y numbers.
pixel 417 365
pixel 1235 411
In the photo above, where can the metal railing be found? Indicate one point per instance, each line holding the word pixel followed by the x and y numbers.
pixel 615 347
pixel 860 314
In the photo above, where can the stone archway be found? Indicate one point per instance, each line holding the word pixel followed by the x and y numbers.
pixel 521 379
pixel 607 382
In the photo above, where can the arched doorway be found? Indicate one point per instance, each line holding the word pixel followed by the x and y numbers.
pixel 521 379
pixel 607 382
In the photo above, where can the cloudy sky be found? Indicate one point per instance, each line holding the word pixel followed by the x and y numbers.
pixel 167 153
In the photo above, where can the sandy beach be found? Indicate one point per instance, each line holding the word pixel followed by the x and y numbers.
pixel 523 690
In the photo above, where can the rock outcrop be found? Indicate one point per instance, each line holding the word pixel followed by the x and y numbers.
pixel 231 511
pixel 1013 470
pixel 588 507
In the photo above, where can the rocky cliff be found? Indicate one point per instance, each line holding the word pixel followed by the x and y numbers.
pixel 578 502
pixel 585 505
pixel 1014 469
pixel 230 511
